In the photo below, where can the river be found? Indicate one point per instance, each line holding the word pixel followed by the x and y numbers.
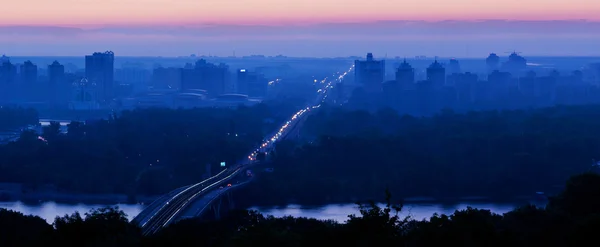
pixel 339 212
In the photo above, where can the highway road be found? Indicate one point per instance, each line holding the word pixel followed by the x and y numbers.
pixel 177 204
pixel 153 208
pixel 201 205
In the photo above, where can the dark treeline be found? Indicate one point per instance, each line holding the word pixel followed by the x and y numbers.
pixel 145 151
pixel 570 219
pixel 498 154
pixel 12 118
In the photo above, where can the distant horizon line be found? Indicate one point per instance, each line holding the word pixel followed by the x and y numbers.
pixel 298 24
pixel 284 56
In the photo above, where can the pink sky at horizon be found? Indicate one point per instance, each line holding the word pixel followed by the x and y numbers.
pixel 81 13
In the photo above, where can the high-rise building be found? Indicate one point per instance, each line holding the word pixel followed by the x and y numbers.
pixel 436 75
pixel 527 85
pixel 251 83
pixel 8 71
pixel 501 84
pixel 8 74
pixel 492 61
pixel 56 74
pixel 57 82
pixel 465 84
pixel 206 76
pixel 405 76
pixel 29 73
pixel 515 64
pixel 99 71
pixel 166 78
pixel 84 95
pixel 135 78
pixel 370 73
pixel 453 67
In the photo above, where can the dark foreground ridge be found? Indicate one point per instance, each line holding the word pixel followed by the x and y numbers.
pixel 570 219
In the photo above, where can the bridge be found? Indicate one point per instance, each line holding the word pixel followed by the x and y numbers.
pixel 198 199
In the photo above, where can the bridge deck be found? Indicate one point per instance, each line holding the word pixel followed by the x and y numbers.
pixel 153 208
pixel 201 204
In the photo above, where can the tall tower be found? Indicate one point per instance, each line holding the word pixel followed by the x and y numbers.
pixel 99 70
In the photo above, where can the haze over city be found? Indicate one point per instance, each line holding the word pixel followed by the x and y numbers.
pixel 259 123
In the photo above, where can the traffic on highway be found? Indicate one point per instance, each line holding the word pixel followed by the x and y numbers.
pixel 168 211
pixel 321 97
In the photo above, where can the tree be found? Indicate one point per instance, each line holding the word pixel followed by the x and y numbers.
pixel 52 131
pixel 261 156
pixel 376 226
pixel 101 227
pixel 581 197
pixel 75 129
pixel 17 229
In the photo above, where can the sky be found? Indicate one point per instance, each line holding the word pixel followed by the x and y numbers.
pixel 128 12
pixel 300 27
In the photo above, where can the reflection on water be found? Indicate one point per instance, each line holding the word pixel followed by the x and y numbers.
pixel 51 210
pixel 419 211
pixel 46 122
pixel 337 212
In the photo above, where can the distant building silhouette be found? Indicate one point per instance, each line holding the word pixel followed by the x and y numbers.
pixel 206 76
pixel 57 83
pixel 493 62
pixel 166 78
pixel 436 74
pixel 370 73
pixel 453 67
pixel 527 85
pixel 500 83
pixel 405 76
pixel 8 71
pixel 251 83
pixel 465 86
pixel 99 70
pixel 8 74
pixel 29 73
pixel 84 92
pixel 132 79
pixel 56 74
pixel 515 64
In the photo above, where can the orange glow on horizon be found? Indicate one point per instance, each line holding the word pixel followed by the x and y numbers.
pixel 276 12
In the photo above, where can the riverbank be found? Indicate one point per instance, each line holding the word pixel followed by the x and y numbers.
pixel 337 212
pixel 247 201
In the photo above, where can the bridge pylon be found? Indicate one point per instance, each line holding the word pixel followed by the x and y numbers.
pixel 230 201
pixel 216 207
